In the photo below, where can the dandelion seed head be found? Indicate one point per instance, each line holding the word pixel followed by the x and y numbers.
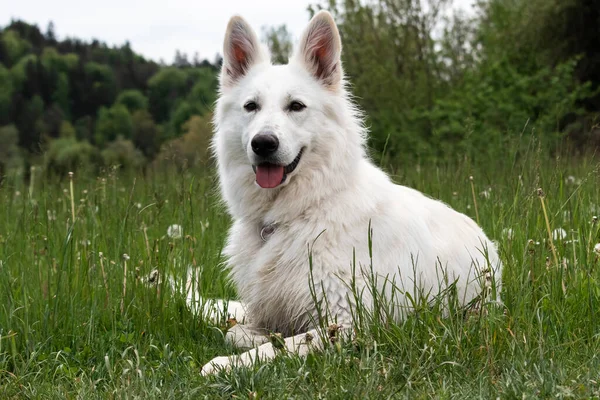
pixel 507 233
pixel 486 194
pixel 175 231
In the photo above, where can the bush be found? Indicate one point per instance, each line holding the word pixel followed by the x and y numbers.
pixel 134 100
pixel 10 154
pixel 69 154
pixel 123 154
pixel 192 148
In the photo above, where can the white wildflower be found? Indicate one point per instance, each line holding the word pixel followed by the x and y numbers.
pixel 559 234
pixel 51 215
pixel 507 233
pixel 597 248
pixel 125 256
pixel 175 231
pixel 570 180
pixel 487 193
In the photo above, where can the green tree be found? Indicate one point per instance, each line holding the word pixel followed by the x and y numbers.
pixel 112 123
pixel 6 92
pixel 15 47
pixel 164 89
pixel 146 134
pixel 67 130
pixel 279 40
pixel 133 99
pixel 101 85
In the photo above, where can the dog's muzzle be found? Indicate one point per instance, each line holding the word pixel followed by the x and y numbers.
pixel 269 175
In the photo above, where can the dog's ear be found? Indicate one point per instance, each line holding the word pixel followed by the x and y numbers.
pixel 241 50
pixel 320 50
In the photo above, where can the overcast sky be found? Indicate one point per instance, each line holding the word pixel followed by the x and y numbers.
pixel 156 29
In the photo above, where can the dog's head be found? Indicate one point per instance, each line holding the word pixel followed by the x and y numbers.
pixel 271 118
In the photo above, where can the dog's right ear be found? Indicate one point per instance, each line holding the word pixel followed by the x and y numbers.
pixel 241 50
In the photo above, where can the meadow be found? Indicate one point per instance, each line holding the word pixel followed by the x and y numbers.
pixel 78 318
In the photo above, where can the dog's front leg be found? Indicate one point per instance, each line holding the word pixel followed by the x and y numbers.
pixel 246 336
pixel 299 344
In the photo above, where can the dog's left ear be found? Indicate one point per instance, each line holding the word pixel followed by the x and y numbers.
pixel 320 50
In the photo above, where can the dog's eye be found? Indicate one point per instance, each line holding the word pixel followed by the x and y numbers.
pixel 251 106
pixel 296 106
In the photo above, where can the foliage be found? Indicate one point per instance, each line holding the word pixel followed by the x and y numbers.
pixel 146 134
pixel 113 123
pixel 436 83
pixel 45 82
pixel 123 154
pixel 495 69
pixel 279 41
pixel 134 100
pixel 191 149
pixel 68 154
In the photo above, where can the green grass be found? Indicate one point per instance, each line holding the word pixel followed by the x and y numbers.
pixel 67 331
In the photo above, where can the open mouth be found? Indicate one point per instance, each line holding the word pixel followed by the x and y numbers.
pixel 272 175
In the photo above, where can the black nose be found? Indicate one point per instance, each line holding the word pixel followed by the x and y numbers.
pixel 264 144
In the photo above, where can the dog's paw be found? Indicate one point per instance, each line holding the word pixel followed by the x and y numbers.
pixel 215 365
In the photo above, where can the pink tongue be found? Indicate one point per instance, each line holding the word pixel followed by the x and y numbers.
pixel 269 175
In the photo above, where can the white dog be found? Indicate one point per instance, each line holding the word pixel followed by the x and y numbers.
pixel 293 170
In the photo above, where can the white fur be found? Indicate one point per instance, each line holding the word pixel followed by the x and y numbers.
pixel 325 206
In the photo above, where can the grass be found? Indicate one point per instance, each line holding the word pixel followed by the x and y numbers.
pixel 76 321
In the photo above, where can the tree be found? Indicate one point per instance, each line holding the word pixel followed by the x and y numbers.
pixel 14 46
pixel 6 92
pixel 146 135
pixel 100 85
pixel 50 32
pixel 113 123
pixel 133 99
pixel 279 41
pixel 164 89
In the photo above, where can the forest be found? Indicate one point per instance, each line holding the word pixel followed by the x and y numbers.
pixel 436 83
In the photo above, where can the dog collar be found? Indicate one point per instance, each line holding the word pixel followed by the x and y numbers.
pixel 267 231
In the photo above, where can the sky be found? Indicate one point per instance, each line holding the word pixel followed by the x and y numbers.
pixel 155 28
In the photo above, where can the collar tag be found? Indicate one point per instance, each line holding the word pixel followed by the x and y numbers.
pixel 267 231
